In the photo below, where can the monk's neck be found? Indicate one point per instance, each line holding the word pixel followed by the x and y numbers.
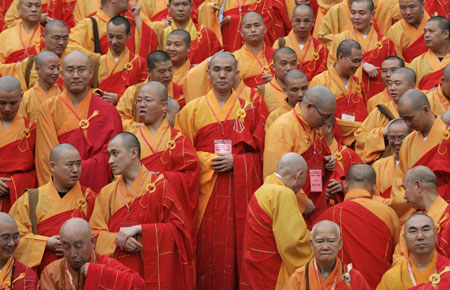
pixel 154 126
pixel 45 86
pixel 182 25
pixel 416 25
pixel 430 198
pixel 29 26
pixel 302 40
pixel 344 77
pixel 329 138
pixel 77 98
pixel 256 48
pixel 109 10
pixel 279 81
pixel 397 157
pixel 5 123
pixel 179 65
pixel 131 174
pixel 422 261
pixel 222 97
pixel 59 187
pixel 366 30
pixel 442 51
pixel 116 55
pixel 290 104
pixel 427 129
pixel 325 270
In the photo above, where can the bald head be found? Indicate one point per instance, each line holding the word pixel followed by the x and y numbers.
pixel 59 150
pixel 446 72
pixel 326 226
pixel 156 88
pixel 77 242
pixel 321 96
pixel 291 163
pixel 362 176
pixel 78 225
pixel 183 34
pixel 50 26
pixel 294 74
pixel 222 55
pixel 407 74
pixel 414 98
pixel 252 14
pixel 76 57
pixel 9 84
pixel 303 7
pixel 173 108
pixel 401 124
pixel 43 57
pixel 424 175
pixel 128 141
pixel 6 218
pixel 283 51
pixel 346 46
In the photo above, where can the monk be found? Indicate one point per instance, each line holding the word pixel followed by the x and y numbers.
pixel 178 46
pixel 295 87
pixel 13 274
pixel 407 34
pixel 255 56
pixel 167 150
pixel 440 98
pixel 119 68
pixel 24 39
pixel 18 136
pixel 312 53
pixel 370 137
pixel 388 66
pixel 80 118
pixel 47 67
pixel 284 60
pixel 229 146
pixel 40 212
pixel 139 217
pixel 425 146
pixel 276 239
pixel 173 108
pixel 424 263
pixel 361 219
pixel 81 265
pixel 160 69
pixel 397 130
pixel 326 264
pixel 430 65
pixel 299 131
pixel 204 42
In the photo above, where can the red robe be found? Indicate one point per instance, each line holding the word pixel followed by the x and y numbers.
pixel 431 80
pixel 415 49
pixel 205 45
pixel 442 264
pixel 438 7
pixel 281 21
pixel 23 277
pixel 62 10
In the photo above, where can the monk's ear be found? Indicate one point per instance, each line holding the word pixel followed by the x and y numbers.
pixel 284 89
pixel 345 186
pixel 341 242
pixel 52 166
pixel 412 85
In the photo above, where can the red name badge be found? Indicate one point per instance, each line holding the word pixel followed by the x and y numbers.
pixel 222 147
pixel 315 177
pixel 348 116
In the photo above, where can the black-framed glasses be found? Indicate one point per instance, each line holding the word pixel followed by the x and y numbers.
pixel 323 116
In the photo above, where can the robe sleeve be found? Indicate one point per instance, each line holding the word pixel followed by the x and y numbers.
pixel 82 38
pixel 295 281
pixel 369 142
pixel 125 106
pixel 12 17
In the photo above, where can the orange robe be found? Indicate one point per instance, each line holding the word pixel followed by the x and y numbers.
pixel 17 163
pixel 17 43
pixel 84 8
pixel 380 98
pixel 429 69
pixel 34 97
pixel 334 280
pixel 438 102
pixel 408 40
pixel 103 273
pixel 251 66
pixel 150 202
pixel 89 127
pixel 385 169
pixel 51 212
pixel 323 6
pixel 335 21
pixel 361 219
pixel 224 196
pixel 276 239
pixel 22 277
pixel 179 76
pixel 312 58
pixel 274 96
pixel 277 113
pixel 196 83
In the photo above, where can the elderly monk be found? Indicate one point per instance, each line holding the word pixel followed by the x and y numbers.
pixel 204 42
pixel 430 65
pixel 440 98
pixel 167 150
pixel 295 87
pixel 47 67
pixel 178 45
pixel 299 131
pixel 397 130
pixel 119 68
pixel 17 137
pixel 427 145
pixel 80 118
pixel 408 33
pixel 81 265
pixel 24 39
pixel 40 212
pixel 229 146
pixel 312 53
pixel 424 264
pixel 326 242
pixel 421 193
pixel 13 274
pixel 254 57
pixel 276 239
pixel 361 219
pixel 160 69
pixel 388 66
pixel 370 137
pixel 284 60
pixel 138 217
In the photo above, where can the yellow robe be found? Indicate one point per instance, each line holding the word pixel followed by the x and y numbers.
pixel 196 83
pixel 428 63
pixel 380 98
pixel 323 8
pixel 438 102
pixel 84 8
pixel 34 97
pixel 277 113
pixel 249 66
pixel 335 21
pixel 157 141
pixel 12 17
pixel 17 38
pixel 385 169
pixel 274 96
pixel 179 76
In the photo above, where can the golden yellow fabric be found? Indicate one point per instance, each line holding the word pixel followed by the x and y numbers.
pixel 335 21
pixel 34 97
pixel 385 169
pixel 323 8
pixel 179 76
pixel 196 83
pixel 107 61
pixel 387 12
pixel 152 7
pixel 5 273
pixel 380 98
pixel 427 63
pixel 207 16
pixel 12 17
pixel 158 141
pixel 12 39
pixel 305 54
pixel 438 102
pixel 165 33
pixel 274 96
pixel 277 113
pixel 14 131
pixel 125 107
pixel 248 65
pixel 84 8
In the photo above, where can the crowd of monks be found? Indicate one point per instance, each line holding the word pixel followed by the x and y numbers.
pixel 224 144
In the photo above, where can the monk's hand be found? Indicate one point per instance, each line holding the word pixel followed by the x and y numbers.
pixel 329 162
pixel 215 7
pixel 135 10
pixel 53 244
pixel 84 269
pixel 126 233
pixel 266 77
pixel 371 70
pixel 223 163
pixel 4 188
pixel 310 207
pixel 45 19
pixel 333 187
pixel 225 20
pixel 132 245
pixel 110 97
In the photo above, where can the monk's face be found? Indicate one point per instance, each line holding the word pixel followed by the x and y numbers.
pixel 117 37
pixel 77 73
pixel 420 235
pixel 434 36
pixel 66 169
pixel 318 114
pixel 326 244
pixel 163 73
pixel 295 90
pixel 29 10
pixel 445 86
pixel 180 10
pixel 150 106
pixel 9 104
pixel 398 85
pixel 77 247
pixel 412 11
pixel 122 5
pixel 253 29
pixel 302 22
pixel 361 16
pixel 396 134
pixel 50 70
pixel 177 49
pixel 387 68
pixel 284 63
pixel 415 119
pixel 9 239
pixel 351 63
pixel 57 40
pixel 222 73
pixel 120 158
pixel 412 195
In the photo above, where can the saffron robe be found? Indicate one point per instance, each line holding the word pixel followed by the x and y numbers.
pixel 167 248
pixel 17 163
pixel 103 273
pixel 385 169
pixel 438 102
pixel 408 40
pixel 179 76
pixel 380 98
pixel 196 83
pixel 84 8
pixel 251 66
pixel 277 113
pixel 34 97
pixel 274 96
pixel 17 43
pixel 298 282
pixel 89 127
pixel 335 21
pixel 276 239
pixel 361 219
pixel 312 58
pixel 429 69
pixel 23 277
pixel 323 6
pixel 51 212
pixel 223 197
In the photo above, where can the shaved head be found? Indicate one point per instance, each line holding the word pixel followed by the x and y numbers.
pixel 446 117
pixel 77 242
pixel 327 226
pixel 42 57
pixel 446 72
pixel 223 55
pixel 156 57
pixel 181 32
pixel 362 176
pixel 282 50
pixel 291 163
pixel 54 24
pixel 303 7
pixel 412 219
pixel 408 74
pixel 6 218
pixel 129 141
pixel 370 4
pixel 443 23
pixel 9 84
pixel 294 74
pixel 399 123
pixel 422 174
pixel 252 14
pixel 58 151
pixel 400 61
pixel 157 88
pixel 346 46
pixel 415 98
pixel 76 56
pixel 321 96
pixel 173 108
pixel 79 225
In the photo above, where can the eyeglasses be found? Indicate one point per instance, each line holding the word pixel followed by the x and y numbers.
pixel 143 101
pixel 396 138
pixel 323 116
pixel 354 61
pixel 72 70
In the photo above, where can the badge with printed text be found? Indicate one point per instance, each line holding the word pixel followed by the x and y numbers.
pixel 222 147
pixel 348 116
pixel 315 177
